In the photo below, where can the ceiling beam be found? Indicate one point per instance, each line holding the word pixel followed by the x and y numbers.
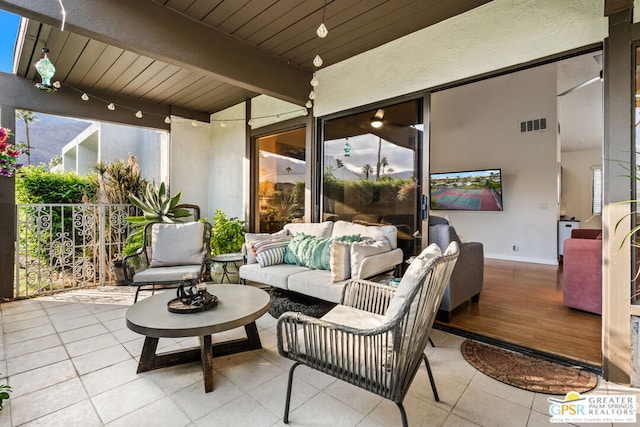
pixel 147 28
pixel 611 7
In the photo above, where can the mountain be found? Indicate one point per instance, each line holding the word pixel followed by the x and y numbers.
pixel 48 134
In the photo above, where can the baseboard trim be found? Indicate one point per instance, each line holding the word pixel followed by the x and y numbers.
pixel 522 259
pixel 562 360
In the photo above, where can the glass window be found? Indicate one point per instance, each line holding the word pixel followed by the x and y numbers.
pixel 596 190
pixel 370 161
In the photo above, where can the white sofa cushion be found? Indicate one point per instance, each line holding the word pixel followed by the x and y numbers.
pixel 275 275
pixel 381 232
pixel 177 244
pixel 317 284
pixel 318 229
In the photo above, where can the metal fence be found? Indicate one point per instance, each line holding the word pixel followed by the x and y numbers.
pixel 62 246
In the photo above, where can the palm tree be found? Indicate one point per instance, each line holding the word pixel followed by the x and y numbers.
pixel 384 162
pixel 28 117
pixel 378 163
pixel 366 170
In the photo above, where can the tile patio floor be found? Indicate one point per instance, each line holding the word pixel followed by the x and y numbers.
pixel 71 362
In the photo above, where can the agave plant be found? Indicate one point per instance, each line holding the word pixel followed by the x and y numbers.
pixel 156 206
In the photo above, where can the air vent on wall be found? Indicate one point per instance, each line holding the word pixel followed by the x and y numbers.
pixel 534 125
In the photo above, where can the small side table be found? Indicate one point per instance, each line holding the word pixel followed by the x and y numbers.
pixel 225 260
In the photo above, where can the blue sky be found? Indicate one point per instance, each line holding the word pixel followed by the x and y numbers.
pixel 9 27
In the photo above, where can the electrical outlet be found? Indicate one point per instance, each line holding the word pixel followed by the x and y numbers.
pixel 516 248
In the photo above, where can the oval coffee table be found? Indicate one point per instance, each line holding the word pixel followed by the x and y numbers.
pixel 238 305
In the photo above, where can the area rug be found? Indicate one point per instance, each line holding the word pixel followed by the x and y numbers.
pixel 283 301
pixel 527 372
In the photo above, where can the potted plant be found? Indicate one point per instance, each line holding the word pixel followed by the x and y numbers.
pixel 227 234
pixel 156 206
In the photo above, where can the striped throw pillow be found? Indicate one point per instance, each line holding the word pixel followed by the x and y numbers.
pixel 270 251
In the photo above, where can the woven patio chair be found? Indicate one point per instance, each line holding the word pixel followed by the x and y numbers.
pixel 168 253
pixel 374 339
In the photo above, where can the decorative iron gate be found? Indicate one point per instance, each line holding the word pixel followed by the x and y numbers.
pixel 61 246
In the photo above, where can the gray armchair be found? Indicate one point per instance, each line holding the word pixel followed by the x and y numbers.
pixel 375 338
pixel 468 274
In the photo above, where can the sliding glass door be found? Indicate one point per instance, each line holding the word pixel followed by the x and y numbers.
pixel 370 164
pixel 280 179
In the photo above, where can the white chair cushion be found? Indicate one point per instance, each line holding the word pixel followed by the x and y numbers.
pixel 352 317
pixel 411 279
pixel 167 274
pixel 177 244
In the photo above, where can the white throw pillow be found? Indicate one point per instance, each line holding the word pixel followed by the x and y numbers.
pixel 340 261
pixel 364 249
pixel 177 244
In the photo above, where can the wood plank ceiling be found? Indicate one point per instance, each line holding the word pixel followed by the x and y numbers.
pixel 285 29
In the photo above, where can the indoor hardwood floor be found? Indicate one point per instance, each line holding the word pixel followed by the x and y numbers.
pixel 521 303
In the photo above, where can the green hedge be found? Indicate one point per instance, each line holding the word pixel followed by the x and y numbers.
pixel 35 184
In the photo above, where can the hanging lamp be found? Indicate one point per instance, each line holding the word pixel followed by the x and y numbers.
pixel 45 68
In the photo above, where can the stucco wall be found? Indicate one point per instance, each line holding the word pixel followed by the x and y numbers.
pixel 498 34
pixel 228 170
pixel 190 152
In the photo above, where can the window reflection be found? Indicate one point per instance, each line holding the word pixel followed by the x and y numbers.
pixel 369 166
pixel 281 179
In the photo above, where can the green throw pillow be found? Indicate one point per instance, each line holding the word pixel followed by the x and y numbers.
pixel 313 252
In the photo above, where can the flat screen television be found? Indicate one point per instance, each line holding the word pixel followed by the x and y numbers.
pixel 476 190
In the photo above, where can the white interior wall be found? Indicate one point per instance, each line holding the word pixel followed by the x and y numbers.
pixel 498 34
pixel 476 126
pixel 190 153
pixel 576 186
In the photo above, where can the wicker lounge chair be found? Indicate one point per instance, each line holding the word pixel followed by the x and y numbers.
pixel 375 339
pixel 169 252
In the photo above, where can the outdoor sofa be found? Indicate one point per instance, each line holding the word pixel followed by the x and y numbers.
pixel 328 254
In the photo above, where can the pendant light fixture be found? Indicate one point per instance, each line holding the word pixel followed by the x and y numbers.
pixel 321 32
pixel 45 68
